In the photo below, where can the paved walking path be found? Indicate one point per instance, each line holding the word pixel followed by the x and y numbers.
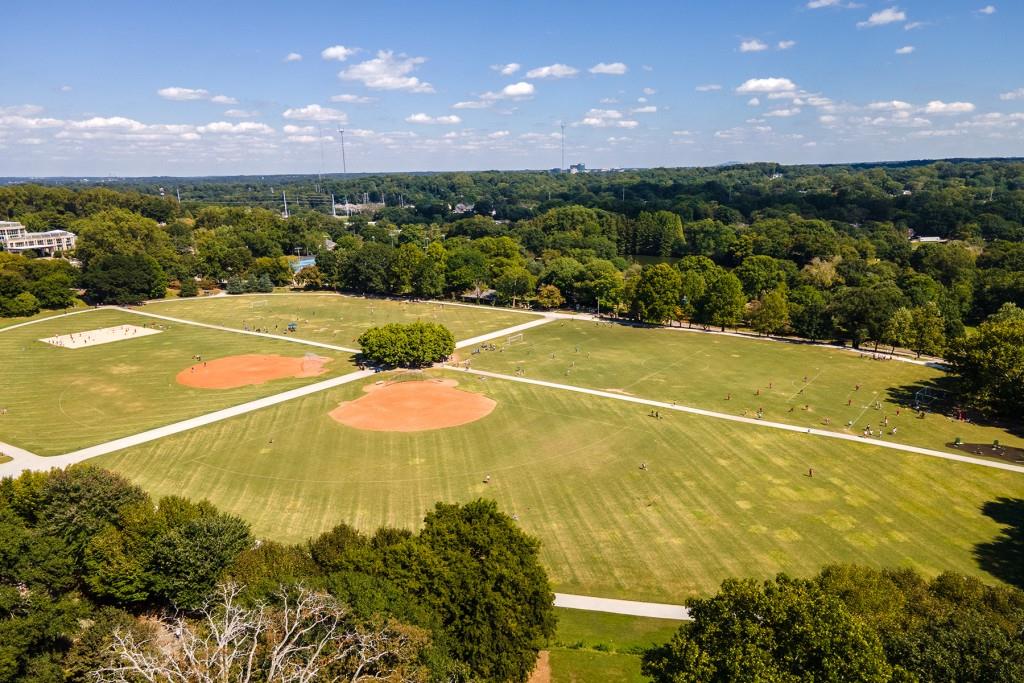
pixel 656 610
pixel 222 328
pixel 662 405
pixel 23 460
pixel 473 341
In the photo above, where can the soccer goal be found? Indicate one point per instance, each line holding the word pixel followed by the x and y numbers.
pixel 253 305
pixel 929 396
pixel 514 338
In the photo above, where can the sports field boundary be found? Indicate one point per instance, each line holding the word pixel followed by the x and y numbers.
pixel 663 405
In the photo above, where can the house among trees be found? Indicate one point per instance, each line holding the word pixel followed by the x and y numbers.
pixel 15 238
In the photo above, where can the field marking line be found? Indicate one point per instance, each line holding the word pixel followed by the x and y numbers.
pixel 265 335
pixel 30 461
pixel 502 333
pixel 752 421
pixel 653 610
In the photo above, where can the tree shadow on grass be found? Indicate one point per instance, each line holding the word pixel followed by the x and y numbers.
pixel 1003 557
pixel 940 395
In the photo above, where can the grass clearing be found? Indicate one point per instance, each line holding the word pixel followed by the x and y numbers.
pixel 62 399
pixel 587 666
pixel 333 318
pixel 718 500
pixel 736 375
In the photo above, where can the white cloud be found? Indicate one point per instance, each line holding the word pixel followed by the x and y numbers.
pixel 818 4
pixel 910 26
pixel 891 15
pixel 21 110
pixel 609 100
pixel 337 53
pixel 987 9
pixel 827 119
pixel 507 69
pixel 754 102
pixel 649 91
pixel 314 112
pixel 892 105
pixel 449 120
pixel 612 69
pixel 753 45
pixel 66 88
pixel 512 91
pixel 709 87
pixel 388 72
pixel 183 94
pixel 1017 94
pixel 498 134
pixel 606 118
pixel 552 71
pixel 291 129
pixel 473 104
pixel 648 109
pixel 940 107
pixel 293 57
pixel 786 44
pixel 766 85
pixel 193 94
pixel 241 113
pixel 783 113
pixel 352 99
pixel 905 50
pixel 243 128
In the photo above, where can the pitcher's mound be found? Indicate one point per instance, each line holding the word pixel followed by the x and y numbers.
pixel 242 371
pixel 413 406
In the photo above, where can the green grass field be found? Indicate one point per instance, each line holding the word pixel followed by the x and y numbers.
pixel 61 399
pixel 719 499
pixel 733 375
pixel 332 318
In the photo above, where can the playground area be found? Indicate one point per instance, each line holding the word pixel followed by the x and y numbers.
pixel 106 335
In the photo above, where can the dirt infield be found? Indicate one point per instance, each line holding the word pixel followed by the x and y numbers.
pixel 413 407
pixel 241 371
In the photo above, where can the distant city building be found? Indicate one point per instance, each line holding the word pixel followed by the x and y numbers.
pixel 15 238
pixel 368 207
pixel 929 240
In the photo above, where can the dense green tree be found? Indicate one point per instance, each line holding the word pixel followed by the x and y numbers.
pixel 514 283
pixel 657 294
pixel 724 302
pixel 759 274
pixel 989 363
pixel 770 313
pixel 407 345
pixel 549 297
pixel 124 279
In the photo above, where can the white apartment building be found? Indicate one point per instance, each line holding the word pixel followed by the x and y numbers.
pixel 15 238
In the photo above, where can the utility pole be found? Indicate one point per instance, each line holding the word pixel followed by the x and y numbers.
pixel 178 190
pixel 334 207
pixel 285 195
pixel 344 165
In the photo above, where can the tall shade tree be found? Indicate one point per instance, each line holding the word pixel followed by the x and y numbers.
pixel 656 297
pixel 990 363
pixel 770 313
pixel 723 305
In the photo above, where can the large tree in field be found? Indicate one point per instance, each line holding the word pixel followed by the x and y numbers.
pixel 990 362
pixel 407 345
pixel 124 279
pixel 657 293
pixel 770 314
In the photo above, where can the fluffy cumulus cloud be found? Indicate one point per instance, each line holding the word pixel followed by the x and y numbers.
pixel 243 128
pixel 940 107
pixel 610 69
pixel 987 9
pixel 648 109
pixel 177 94
pixel 708 87
pixel 498 134
pixel 352 99
pixel 1017 94
pixel 783 113
pixel 472 104
pixel 513 91
pixel 552 71
pixel 786 44
pixel 773 84
pixel 892 15
pixel 891 105
pixel 293 57
pixel 449 120
pixel 905 50
pixel 241 113
pixel 388 71
pixel 506 69
pixel 606 118
pixel 337 53
pixel 753 45
pixel 649 91
pixel 314 112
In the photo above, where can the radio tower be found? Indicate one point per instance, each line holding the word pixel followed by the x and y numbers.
pixel 344 166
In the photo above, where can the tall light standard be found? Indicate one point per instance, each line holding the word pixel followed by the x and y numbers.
pixel 344 165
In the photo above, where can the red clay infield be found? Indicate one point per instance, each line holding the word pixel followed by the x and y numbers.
pixel 242 371
pixel 413 407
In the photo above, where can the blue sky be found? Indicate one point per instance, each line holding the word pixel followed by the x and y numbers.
pixel 197 88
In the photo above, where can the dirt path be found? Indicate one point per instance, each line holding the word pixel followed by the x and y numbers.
pixel 542 670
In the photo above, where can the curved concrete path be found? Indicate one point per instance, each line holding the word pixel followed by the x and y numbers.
pixel 654 610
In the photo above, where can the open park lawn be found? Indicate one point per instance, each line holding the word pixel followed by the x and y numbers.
pixel 332 318
pixel 62 399
pixel 732 375
pixel 719 499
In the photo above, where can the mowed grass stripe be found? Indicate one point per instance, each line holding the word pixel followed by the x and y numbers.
pixel 62 399
pixel 733 375
pixel 719 499
pixel 333 318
